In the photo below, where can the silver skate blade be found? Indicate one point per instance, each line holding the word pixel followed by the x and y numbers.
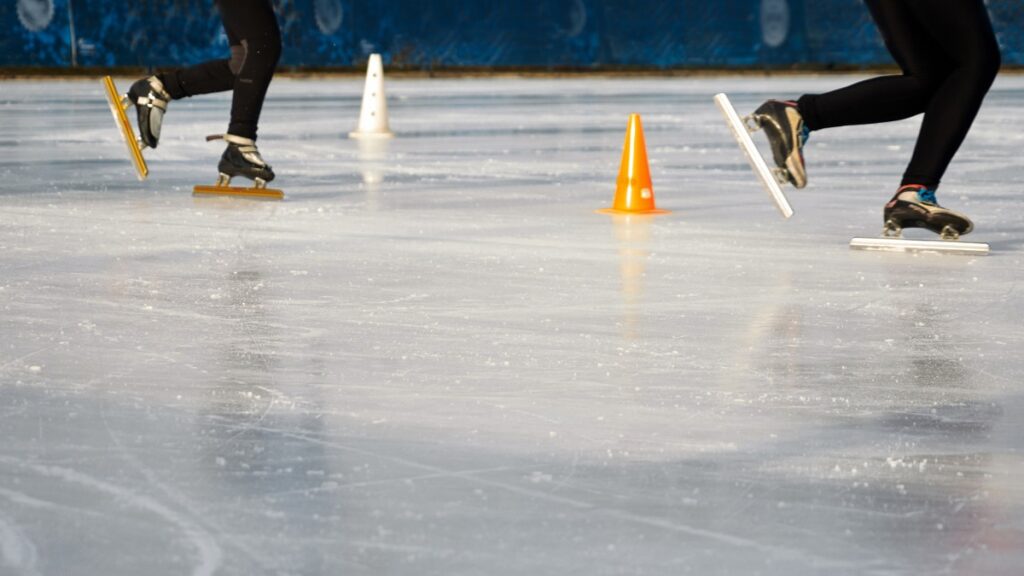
pixel 754 157
pixel 904 245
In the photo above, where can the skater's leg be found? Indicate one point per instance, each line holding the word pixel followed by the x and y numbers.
pixel 152 95
pixel 255 42
pixel 924 62
pixel 964 29
pixel 205 78
pixel 924 65
pixel 208 77
pixel 254 26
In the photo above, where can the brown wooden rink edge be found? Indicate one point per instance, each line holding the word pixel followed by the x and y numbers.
pixel 260 193
pixel 904 245
pixel 125 127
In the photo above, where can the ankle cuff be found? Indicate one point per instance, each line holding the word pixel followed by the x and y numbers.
pixel 240 140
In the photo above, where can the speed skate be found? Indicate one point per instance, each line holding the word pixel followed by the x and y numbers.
pixel 241 158
pixel 770 178
pixel 915 206
pixel 118 105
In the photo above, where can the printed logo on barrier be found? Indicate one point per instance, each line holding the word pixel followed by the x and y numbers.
pixel 577 19
pixel 35 15
pixel 774 22
pixel 329 15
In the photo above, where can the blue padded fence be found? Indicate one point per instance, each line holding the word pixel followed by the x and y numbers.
pixel 434 34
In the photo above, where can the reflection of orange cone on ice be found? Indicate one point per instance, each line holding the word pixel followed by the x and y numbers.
pixel 634 192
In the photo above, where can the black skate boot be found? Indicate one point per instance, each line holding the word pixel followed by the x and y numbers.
pixel 150 101
pixel 915 206
pixel 787 134
pixel 242 158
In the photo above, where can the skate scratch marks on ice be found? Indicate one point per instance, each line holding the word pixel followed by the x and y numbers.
pixel 30 502
pixel 778 551
pixel 432 469
pixel 395 480
pixel 16 550
pixel 210 554
pixel 154 479
pixel 25 357
pixel 802 556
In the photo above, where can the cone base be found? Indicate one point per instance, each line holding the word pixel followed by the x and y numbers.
pixel 614 212
pixel 371 135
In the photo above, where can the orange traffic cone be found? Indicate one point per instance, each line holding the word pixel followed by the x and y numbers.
pixel 634 193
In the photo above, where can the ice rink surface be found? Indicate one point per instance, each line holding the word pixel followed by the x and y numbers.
pixel 434 357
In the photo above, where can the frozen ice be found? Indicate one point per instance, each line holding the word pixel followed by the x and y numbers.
pixel 434 357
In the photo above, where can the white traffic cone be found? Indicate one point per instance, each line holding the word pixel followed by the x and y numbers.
pixel 373 118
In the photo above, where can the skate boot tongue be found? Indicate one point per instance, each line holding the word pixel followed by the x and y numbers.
pixel 921 193
pixel 927 196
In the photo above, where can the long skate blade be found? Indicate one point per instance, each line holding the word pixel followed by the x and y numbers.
pixel 125 127
pixel 757 162
pixel 904 245
pixel 261 193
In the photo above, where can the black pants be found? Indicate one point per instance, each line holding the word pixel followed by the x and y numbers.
pixel 255 49
pixel 949 57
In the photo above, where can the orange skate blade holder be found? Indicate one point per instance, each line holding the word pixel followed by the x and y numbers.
pixel 634 191
pixel 257 193
pixel 118 106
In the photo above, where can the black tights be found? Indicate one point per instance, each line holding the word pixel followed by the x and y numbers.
pixel 949 57
pixel 255 49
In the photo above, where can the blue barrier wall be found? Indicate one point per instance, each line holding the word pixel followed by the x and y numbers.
pixel 429 34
